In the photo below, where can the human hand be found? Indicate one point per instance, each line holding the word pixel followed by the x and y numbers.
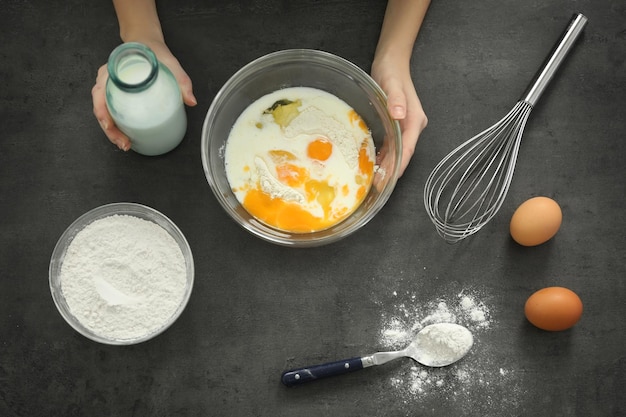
pixel 98 93
pixel 402 102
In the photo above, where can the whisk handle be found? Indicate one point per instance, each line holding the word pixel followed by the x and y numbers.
pixel 554 59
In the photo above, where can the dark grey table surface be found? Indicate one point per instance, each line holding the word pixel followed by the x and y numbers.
pixel 258 309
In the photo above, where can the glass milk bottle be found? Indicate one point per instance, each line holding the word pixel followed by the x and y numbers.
pixel 144 100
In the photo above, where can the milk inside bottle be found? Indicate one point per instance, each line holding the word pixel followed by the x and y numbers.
pixel 144 100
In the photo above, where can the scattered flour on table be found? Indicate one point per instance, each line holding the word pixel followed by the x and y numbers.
pixel 123 277
pixel 476 375
pixel 408 319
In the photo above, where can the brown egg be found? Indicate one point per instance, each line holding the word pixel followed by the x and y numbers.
pixel 536 221
pixel 553 308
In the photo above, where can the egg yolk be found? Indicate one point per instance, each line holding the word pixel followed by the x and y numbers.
pixel 356 119
pixel 285 215
pixel 320 149
pixel 292 175
pixel 323 193
pixel 366 165
pixel 280 156
pixel 291 215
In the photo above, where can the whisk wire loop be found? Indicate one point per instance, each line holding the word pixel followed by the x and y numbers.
pixel 467 188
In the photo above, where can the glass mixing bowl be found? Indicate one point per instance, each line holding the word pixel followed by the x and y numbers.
pixel 302 68
pixel 129 209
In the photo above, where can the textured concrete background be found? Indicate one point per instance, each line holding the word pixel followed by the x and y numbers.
pixel 258 309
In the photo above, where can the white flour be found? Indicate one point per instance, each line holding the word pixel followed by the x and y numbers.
pixel 443 343
pixel 476 375
pixel 312 121
pixel 123 277
pixel 408 318
pixel 272 186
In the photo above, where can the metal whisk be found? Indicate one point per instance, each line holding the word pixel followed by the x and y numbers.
pixel 467 188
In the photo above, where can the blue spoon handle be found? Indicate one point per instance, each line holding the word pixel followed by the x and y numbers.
pixel 311 373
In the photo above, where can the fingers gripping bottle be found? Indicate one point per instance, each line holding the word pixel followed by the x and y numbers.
pixel 144 100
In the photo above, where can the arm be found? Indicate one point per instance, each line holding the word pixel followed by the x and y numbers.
pixel 139 22
pixel 391 69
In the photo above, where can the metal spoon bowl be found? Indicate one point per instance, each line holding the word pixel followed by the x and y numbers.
pixel 435 345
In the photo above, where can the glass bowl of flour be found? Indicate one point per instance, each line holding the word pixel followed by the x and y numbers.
pixel 121 273
pixel 299 148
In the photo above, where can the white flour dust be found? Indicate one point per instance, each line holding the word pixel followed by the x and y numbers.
pixel 443 343
pixel 477 374
pixel 123 277
pixel 408 318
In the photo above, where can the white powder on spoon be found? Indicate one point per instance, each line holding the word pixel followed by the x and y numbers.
pixel 443 343
pixel 477 374
pixel 408 319
pixel 123 277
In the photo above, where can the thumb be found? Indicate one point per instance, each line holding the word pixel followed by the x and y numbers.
pixel 396 101
pixel 186 88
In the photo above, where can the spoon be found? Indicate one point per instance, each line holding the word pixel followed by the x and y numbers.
pixel 435 345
